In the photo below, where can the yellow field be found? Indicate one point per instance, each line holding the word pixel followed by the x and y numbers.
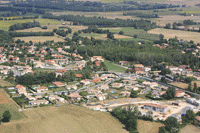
pixel 40 39
pixel 190 129
pixel 184 85
pixel 64 119
pixel 148 127
pixel 185 35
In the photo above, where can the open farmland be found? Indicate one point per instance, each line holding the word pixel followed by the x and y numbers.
pixel 40 39
pixel 3 98
pixel 190 129
pixel 185 35
pixel 184 85
pixel 130 31
pixel 7 104
pixel 64 119
pixel 148 127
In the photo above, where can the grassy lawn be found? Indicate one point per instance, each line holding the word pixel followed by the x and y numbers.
pixel 5 83
pixel 112 67
pixel 65 119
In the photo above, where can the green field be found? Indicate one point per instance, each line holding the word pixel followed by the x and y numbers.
pixel 5 83
pixel 112 67
pixel 16 115
pixel 66 118
pixel 5 24
pixel 129 31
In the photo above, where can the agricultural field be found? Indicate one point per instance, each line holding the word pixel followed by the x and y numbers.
pixel 185 35
pixel 129 31
pixel 190 129
pixel 40 39
pixel 148 127
pixel 112 67
pixel 5 83
pixel 64 119
pixel 184 85
pixel 8 104
pixel 5 24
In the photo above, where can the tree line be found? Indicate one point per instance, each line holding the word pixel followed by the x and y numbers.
pixel 103 22
pixel 21 26
pixel 140 15
pixel 24 34
pixel 88 6
pixel 20 18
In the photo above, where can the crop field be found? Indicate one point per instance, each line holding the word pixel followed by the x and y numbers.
pixel 64 119
pixel 3 98
pixel 5 24
pixel 40 38
pixel 185 35
pixel 148 127
pixel 129 31
pixel 5 83
pixel 190 129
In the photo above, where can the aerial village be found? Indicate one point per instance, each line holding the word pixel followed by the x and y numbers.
pixel 141 86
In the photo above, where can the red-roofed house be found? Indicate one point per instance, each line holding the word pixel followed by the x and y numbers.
pixel 60 72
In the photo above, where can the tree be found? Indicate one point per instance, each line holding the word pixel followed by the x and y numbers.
pixel 6 116
pixel 133 94
pixel 121 33
pixel 168 26
pixel 172 125
pixel 189 87
pixel 161 37
pixel 162 130
pixel 195 88
pixel 110 35
pixel 188 79
pixel 170 93
pixel 163 80
pixel 190 115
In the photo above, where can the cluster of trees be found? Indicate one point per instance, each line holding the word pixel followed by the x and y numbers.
pixel 21 26
pixel 170 93
pixel 5 37
pixel 88 6
pixel 95 30
pixel 140 15
pixel 104 22
pixel 21 101
pixel 171 125
pixel 6 116
pixel 62 32
pixel 195 89
pixel 126 117
pixel 145 54
pixel 24 34
pixel 22 10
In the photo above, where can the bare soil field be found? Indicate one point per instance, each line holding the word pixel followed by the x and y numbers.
pixel 40 39
pixel 148 127
pixel 190 129
pixel 185 35
pixel 3 98
pixel 64 119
